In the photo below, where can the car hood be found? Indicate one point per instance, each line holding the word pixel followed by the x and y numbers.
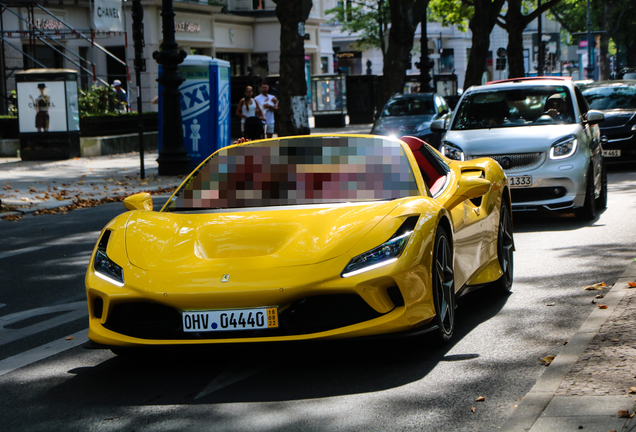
pixel 288 236
pixel 617 118
pixel 404 122
pixel 497 141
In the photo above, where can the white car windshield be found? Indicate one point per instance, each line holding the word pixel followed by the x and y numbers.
pixel 524 106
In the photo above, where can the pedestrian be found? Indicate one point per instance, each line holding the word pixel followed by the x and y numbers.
pixel 122 97
pixel 269 104
pixel 248 107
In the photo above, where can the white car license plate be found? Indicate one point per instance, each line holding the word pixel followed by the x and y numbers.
pixel 611 153
pixel 230 319
pixel 519 181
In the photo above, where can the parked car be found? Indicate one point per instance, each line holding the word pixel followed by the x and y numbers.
pixel 543 134
pixel 303 238
pixel 617 101
pixel 412 114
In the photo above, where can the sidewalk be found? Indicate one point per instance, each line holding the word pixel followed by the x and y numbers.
pixel 32 187
pixel 593 378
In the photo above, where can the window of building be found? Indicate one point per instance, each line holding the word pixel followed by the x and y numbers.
pixel 447 60
pixel 45 55
pixel 237 62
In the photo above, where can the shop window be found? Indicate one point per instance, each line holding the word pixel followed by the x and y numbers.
pixel 447 61
pixel 44 55
pixel 237 62
pixel 324 65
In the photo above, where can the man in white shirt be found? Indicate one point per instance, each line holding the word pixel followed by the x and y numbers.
pixel 269 105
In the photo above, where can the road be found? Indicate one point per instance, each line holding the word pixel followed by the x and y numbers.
pixel 50 383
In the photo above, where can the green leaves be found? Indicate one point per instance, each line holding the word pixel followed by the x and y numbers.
pixel 100 100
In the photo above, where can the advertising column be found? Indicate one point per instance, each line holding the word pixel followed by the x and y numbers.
pixel 205 106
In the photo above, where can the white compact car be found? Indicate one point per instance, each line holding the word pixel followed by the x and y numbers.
pixel 542 133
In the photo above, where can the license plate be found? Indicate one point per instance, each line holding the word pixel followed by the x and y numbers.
pixel 611 153
pixel 230 319
pixel 519 181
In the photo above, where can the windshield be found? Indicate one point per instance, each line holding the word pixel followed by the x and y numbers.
pixel 524 106
pixel 295 171
pixel 613 97
pixel 409 107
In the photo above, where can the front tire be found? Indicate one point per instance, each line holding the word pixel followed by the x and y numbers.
pixel 505 251
pixel 588 211
pixel 601 201
pixel 443 287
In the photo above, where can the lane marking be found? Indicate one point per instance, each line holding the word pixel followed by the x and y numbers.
pixel 40 353
pixel 21 251
pixel 73 311
pixel 230 376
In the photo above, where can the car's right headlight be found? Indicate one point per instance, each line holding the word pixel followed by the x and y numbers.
pixel 104 267
pixel 452 151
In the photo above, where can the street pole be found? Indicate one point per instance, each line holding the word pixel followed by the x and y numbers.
pixel 173 157
pixel 541 52
pixel 590 48
pixel 140 66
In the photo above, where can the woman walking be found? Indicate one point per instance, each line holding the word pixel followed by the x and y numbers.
pixel 248 107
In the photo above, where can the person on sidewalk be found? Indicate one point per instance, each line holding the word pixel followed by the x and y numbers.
pixel 248 107
pixel 122 97
pixel 269 103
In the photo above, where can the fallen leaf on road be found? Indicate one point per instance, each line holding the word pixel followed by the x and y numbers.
pixel 480 399
pixel 69 338
pixel 12 218
pixel 473 409
pixel 616 340
pixel 602 306
pixel 600 296
pixel 596 286
pixel 632 390
pixel 551 304
pixel 593 302
pixel 623 414
pixel 547 360
pixel 631 285
pixel 565 343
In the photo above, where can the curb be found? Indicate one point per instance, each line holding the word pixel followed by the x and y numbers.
pixel 541 394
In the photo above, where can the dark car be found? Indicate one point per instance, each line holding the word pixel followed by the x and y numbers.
pixel 412 114
pixel 617 100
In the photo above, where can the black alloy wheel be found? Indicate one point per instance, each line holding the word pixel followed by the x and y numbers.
pixel 443 287
pixel 505 251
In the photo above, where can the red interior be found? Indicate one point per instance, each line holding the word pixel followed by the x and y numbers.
pixel 435 180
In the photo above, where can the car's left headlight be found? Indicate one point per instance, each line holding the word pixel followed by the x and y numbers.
pixel 104 267
pixel 564 148
pixel 387 253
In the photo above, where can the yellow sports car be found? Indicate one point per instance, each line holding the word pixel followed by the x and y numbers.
pixel 300 238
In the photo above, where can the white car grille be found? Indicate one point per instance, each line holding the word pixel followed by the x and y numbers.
pixel 516 162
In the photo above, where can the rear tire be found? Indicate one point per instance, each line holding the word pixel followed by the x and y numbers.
pixel 443 287
pixel 505 251
pixel 588 211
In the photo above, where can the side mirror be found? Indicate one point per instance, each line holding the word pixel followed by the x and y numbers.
pixel 595 117
pixel 140 201
pixel 439 126
pixel 469 188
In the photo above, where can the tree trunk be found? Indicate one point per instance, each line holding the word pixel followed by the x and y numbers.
pixel 292 107
pixel 605 37
pixel 514 26
pixel 425 62
pixel 481 25
pixel 404 18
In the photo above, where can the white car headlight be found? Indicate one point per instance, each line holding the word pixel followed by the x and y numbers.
pixel 104 267
pixel 452 151
pixel 564 148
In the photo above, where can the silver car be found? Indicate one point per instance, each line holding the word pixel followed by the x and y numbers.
pixel 542 133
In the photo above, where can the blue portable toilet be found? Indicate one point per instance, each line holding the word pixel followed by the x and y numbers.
pixel 205 106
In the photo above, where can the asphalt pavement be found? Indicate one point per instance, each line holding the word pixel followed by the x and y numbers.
pixel 590 385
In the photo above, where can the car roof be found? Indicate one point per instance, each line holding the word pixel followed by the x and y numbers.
pixel 537 78
pixel 613 83
pixel 413 96
pixel 523 82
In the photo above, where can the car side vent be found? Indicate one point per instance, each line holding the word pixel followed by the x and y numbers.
pixel 407 226
pixel 396 296
pixel 98 307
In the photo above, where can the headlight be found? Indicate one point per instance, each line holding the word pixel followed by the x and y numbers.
pixel 387 253
pixel 564 148
pixel 104 267
pixel 451 151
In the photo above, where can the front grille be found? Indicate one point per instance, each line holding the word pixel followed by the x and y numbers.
pixel 309 315
pixel 515 162
pixel 536 194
